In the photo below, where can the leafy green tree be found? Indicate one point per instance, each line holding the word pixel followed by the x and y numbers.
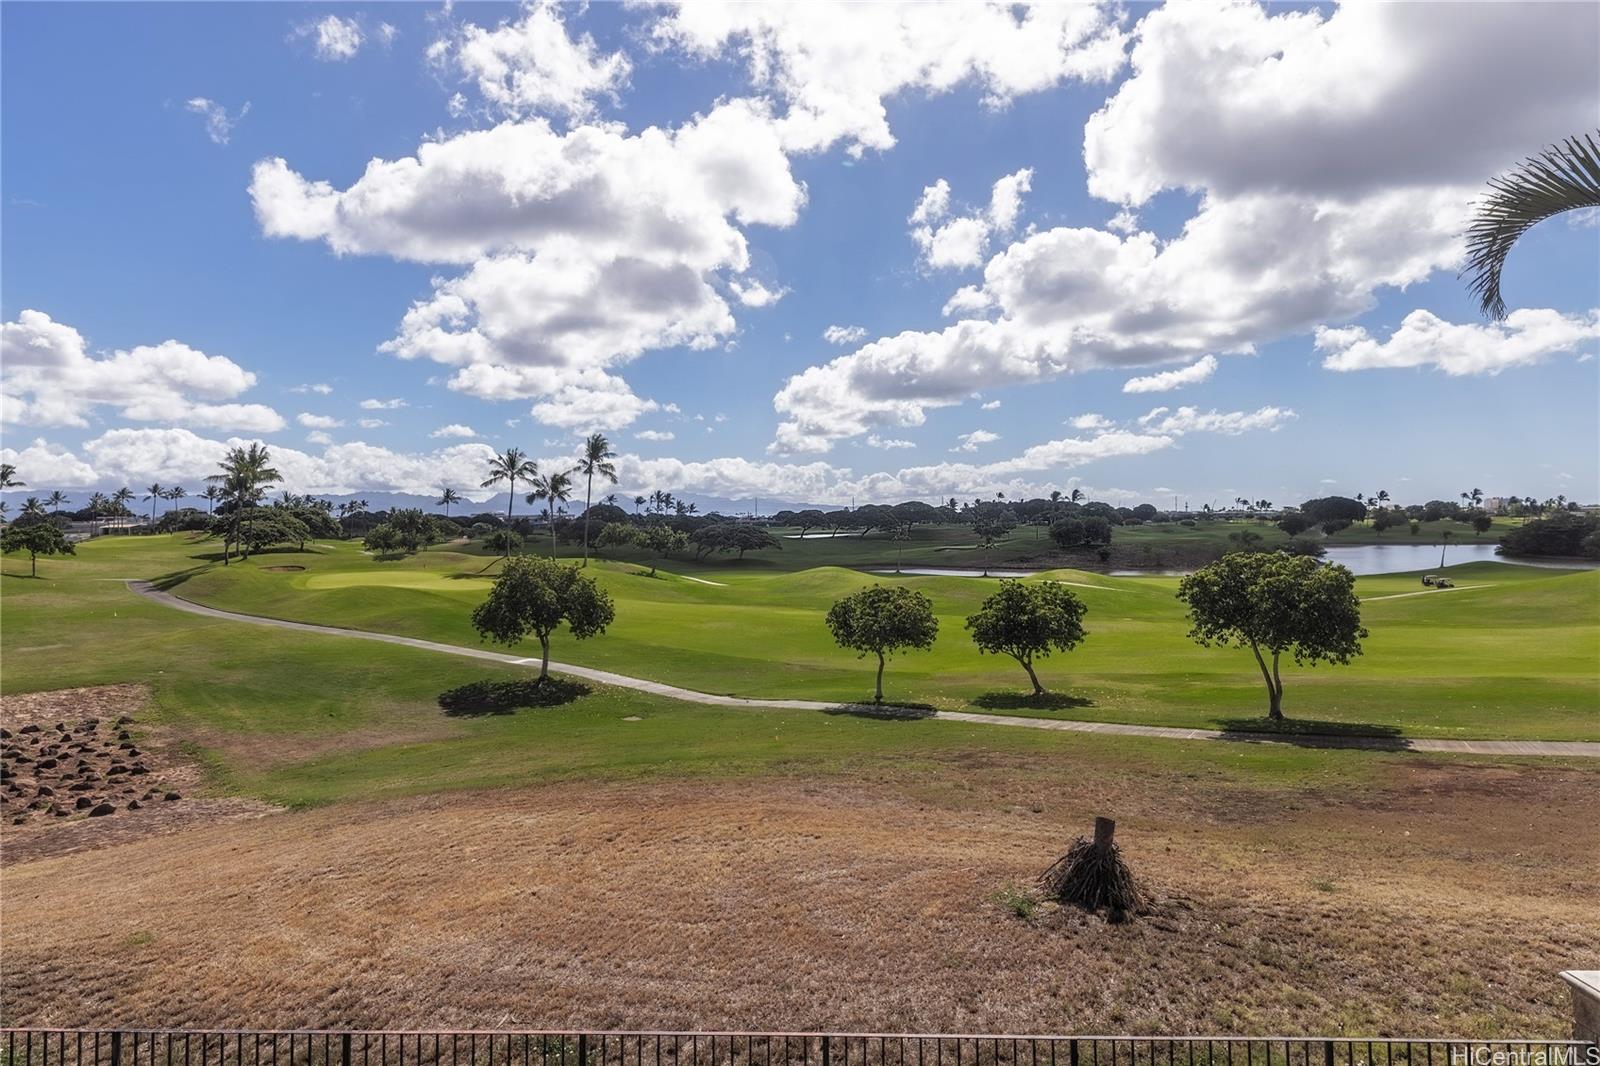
pixel 733 536
pixel 245 475
pixel 534 596
pixel 41 538
pixel 662 541
pixel 1028 622
pixel 1273 603
pixel 596 459
pixel 1481 523
pixel 1563 533
pixel 882 620
pixel 1294 524
pixel 262 528
pixel 383 540
pixel 503 541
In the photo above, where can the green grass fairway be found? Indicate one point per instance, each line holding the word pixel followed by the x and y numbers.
pixel 1516 657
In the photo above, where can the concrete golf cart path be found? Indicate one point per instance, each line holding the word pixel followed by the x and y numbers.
pixel 1585 749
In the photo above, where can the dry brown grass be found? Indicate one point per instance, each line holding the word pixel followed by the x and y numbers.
pixel 1428 905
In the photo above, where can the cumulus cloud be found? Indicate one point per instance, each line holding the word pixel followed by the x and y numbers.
pixel 1168 380
pixel 834 64
pixel 50 464
pixel 370 423
pixel 51 379
pixel 219 124
pixel 655 434
pixel 1527 336
pixel 531 65
pixel 844 334
pixel 992 405
pixel 888 443
pixel 970 442
pixel 383 405
pixel 311 421
pixel 945 240
pixel 582 249
pixel 333 39
pixel 319 389
pixel 755 294
pixel 1310 201
pixel 1231 423
pixel 1090 421
pixel 317 436
pixel 454 429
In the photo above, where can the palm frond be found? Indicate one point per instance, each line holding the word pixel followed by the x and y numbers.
pixel 1564 177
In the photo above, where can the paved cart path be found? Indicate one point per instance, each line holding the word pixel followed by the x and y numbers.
pixel 638 684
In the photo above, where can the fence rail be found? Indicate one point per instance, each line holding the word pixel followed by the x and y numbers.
pixel 233 1047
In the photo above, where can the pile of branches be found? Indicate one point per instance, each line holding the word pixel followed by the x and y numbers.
pixel 1092 875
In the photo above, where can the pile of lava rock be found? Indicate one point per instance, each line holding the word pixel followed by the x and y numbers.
pixel 91 769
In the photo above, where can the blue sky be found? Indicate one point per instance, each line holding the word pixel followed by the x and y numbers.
pixel 603 183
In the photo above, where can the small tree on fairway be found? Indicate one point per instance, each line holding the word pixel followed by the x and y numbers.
pixel 534 596
pixel 1273 603
pixel 661 540
pixel 40 538
pixel 1028 622
pixel 882 620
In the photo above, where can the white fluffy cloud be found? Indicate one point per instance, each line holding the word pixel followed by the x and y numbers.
pixel 311 421
pixel 655 435
pixel 963 240
pixel 970 442
pixel 383 405
pixel 455 429
pixel 1234 104
pixel 531 65
pixel 583 249
pixel 1090 421
pixel 834 64
pixel 844 334
pixel 43 463
pixel 1168 380
pixel 219 124
pixel 333 39
pixel 51 379
pixel 1527 336
pixel 753 293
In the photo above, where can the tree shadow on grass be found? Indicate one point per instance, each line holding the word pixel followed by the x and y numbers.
pixel 1027 701
pixel 479 698
pixel 1312 733
pixel 884 712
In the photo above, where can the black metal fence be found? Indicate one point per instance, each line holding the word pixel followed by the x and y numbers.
pixel 180 1047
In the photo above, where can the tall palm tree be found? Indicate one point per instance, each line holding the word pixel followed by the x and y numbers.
pixel 638 502
pixel 596 459
pixel 98 503
pixel 8 477
pixel 1564 177
pixel 57 500
pixel 153 493
pixel 32 506
pixel 117 505
pixel 1077 496
pixel 211 494
pixel 245 475
pixel 553 489
pixel 447 497
pixel 176 493
pixel 512 467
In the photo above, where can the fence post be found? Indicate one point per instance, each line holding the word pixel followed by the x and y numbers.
pixel 583 1049
pixel 116 1048
pixel 1327 1053
pixel 344 1050
pixel 825 1059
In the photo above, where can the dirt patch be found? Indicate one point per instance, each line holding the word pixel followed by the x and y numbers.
pixel 823 905
pixel 282 569
pixel 79 770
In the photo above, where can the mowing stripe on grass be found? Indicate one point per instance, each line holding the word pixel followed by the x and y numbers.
pixel 1586 749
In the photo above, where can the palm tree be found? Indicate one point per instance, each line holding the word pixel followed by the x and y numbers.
pixel 554 489
pixel 176 493
pixel 447 497
pixel 153 493
pixel 211 494
pixel 246 473
pixel 97 509
pixel 32 506
pixel 596 459
pixel 1076 497
pixel 57 500
pixel 610 500
pixel 8 477
pixel 638 502
pixel 512 467
pixel 117 504
pixel 1564 177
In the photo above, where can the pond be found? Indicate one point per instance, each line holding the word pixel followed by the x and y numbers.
pixel 1400 558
